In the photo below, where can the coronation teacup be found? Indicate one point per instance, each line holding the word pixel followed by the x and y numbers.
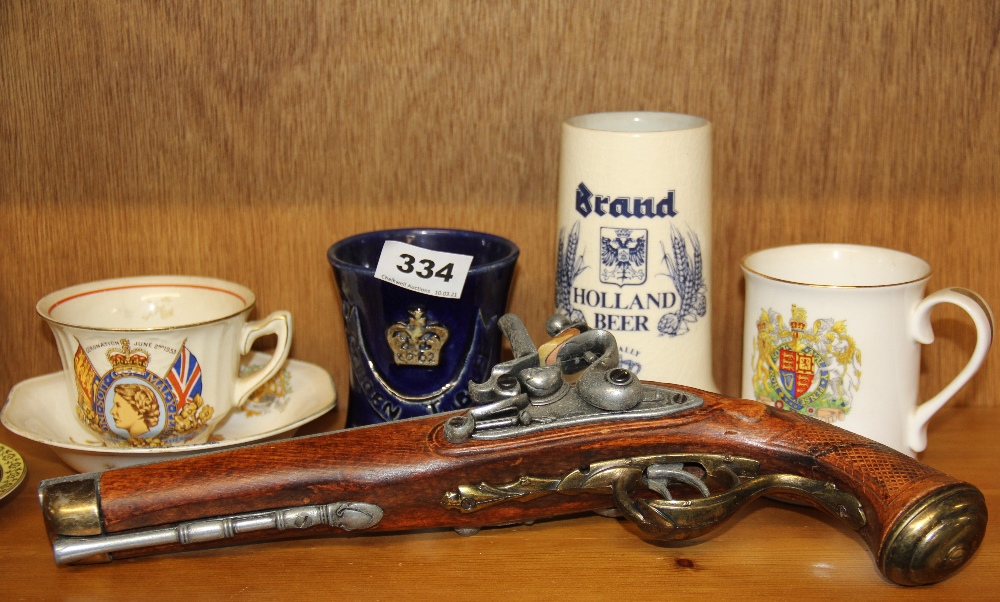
pixel 154 360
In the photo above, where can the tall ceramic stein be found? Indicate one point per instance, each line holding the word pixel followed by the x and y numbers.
pixel 635 238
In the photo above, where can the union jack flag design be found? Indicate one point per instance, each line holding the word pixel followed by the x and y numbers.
pixel 185 377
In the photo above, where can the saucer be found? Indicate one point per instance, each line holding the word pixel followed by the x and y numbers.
pixel 37 409
pixel 11 470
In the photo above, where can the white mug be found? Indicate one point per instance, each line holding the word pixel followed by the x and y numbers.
pixel 635 239
pixel 154 360
pixel 834 331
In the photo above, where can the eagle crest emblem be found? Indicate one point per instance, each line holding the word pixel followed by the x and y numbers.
pixel 623 255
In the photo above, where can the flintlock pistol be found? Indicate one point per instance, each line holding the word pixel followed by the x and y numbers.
pixel 554 431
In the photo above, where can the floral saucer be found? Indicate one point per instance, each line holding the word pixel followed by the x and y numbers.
pixel 37 409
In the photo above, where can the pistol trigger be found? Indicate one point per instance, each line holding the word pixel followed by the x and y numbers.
pixel 659 476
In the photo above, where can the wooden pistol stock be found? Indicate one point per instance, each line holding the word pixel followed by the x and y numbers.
pixel 554 431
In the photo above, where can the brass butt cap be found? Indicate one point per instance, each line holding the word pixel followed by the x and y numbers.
pixel 936 537
pixel 71 505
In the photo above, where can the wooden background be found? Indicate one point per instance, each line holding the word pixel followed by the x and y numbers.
pixel 240 140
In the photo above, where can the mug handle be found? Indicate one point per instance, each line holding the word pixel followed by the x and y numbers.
pixel 278 323
pixel 982 317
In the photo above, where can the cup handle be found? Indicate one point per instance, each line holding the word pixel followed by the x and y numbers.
pixel 982 317
pixel 278 323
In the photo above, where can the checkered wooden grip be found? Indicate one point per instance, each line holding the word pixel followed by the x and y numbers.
pixel 882 471
pixel 921 524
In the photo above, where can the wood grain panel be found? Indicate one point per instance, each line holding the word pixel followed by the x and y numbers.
pixel 240 141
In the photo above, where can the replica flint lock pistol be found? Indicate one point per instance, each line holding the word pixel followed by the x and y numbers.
pixel 556 430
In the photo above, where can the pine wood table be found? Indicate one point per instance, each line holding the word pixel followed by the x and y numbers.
pixel 770 550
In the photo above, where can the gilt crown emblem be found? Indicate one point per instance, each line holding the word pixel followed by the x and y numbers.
pixel 798 320
pixel 417 342
pixel 127 360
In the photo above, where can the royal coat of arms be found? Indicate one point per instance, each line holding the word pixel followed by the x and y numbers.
pixel 813 371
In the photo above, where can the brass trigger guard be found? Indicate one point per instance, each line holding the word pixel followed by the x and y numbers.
pixel 685 519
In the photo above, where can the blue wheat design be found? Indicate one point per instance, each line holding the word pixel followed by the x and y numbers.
pixel 569 265
pixel 686 271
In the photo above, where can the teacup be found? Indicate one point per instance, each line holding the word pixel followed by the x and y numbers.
pixel 154 360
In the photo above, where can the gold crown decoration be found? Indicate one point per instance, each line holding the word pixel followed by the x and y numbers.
pixel 798 321
pixel 126 360
pixel 417 342
pixel 762 321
